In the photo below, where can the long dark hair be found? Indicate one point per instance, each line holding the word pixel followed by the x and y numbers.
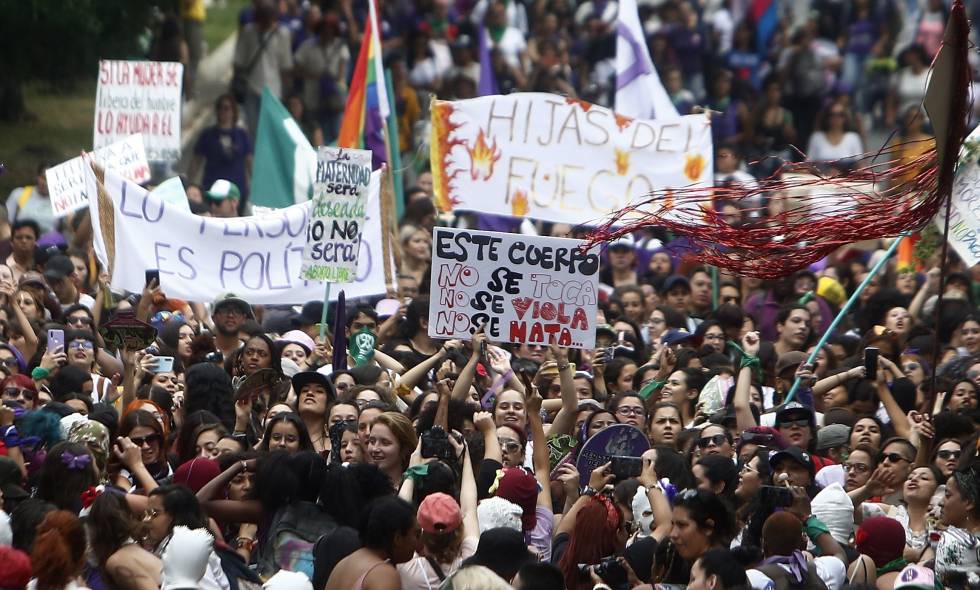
pixel 112 523
pixel 208 387
pixel 305 442
pixel 65 474
pixel 182 506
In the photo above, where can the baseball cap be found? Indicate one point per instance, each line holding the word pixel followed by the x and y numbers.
pixel 623 242
pixel 675 281
pixel 916 576
pixel 297 337
pixel 307 377
pixel 223 189
pixel 439 513
pixel 32 277
pixel 672 337
pixel 832 436
pixel 793 454
pixel 226 299
pixel 605 329
pixel 791 359
pixel 58 267
pixel 793 408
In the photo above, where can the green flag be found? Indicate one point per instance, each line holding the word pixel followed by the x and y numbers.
pixel 285 162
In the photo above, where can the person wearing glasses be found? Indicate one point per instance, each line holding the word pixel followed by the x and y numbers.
pixel 113 532
pixel 894 464
pixel 20 389
pixel 82 352
pixel 629 409
pixel 715 440
pixel 946 456
pixel 228 314
pixel 145 431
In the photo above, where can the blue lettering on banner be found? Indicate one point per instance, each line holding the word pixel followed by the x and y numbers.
pixel 143 213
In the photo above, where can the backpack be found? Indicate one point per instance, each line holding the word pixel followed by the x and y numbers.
pixel 292 535
pixel 782 581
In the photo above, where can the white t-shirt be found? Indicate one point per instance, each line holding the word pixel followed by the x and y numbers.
pixel 511 46
pixel 830 569
pixel 821 150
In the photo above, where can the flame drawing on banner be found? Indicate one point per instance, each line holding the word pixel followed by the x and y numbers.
pixel 483 157
pixel 441 147
pixel 622 121
pixel 519 204
pixel 693 166
pixel 622 161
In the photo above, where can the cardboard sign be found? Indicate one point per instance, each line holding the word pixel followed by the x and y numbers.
pixel 521 288
pixel 618 440
pixel 66 181
pixel 340 195
pixel 258 257
pixel 964 216
pixel 559 159
pixel 127 331
pixel 140 97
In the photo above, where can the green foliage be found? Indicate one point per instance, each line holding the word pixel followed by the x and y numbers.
pixel 61 41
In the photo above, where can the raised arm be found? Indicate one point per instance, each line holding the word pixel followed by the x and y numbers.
pixel 483 421
pixel 468 498
pixel 539 458
pixel 827 383
pixel 895 413
pixel 662 517
pixel 598 479
pixel 564 422
pixel 743 385
pixel 461 389
pixel 229 510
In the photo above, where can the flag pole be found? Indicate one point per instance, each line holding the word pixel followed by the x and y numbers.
pixel 394 153
pixel 844 310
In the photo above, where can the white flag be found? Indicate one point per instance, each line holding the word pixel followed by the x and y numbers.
pixel 639 92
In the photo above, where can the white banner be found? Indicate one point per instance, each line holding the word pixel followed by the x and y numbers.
pixel 66 181
pixel 257 258
pixel 964 217
pixel 521 288
pixel 140 97
pixel 559 159
pixel 340 195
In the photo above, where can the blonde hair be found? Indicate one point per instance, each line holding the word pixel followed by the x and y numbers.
pixel 478 577
pixel 401 427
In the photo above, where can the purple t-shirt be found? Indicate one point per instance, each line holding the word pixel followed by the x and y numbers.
pixel 540 536
pixel 224 152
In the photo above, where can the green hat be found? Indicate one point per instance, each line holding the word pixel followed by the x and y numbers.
pixel 223 189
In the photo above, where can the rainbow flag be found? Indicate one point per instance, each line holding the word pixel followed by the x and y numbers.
pixel 367 106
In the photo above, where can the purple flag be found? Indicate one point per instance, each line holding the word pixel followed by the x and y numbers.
pixel 488 81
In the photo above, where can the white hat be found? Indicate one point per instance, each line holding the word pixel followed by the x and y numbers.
pixel 496 512
pixel 834 508
pixel 287 580
pixel 297 337
pixel 185 560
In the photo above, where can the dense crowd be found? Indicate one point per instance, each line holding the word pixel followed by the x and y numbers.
pixel 239 448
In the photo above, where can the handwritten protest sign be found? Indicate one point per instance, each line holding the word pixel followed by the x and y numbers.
pixel 340 194
pixel 964 216
pixel 140 97
pixel 66 181
pixel 559 159
pixel 521 288
pixel 255 257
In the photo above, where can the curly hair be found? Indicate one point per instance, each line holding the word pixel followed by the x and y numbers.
pixel 208 387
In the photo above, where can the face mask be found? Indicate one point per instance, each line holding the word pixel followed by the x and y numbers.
pixel 642 512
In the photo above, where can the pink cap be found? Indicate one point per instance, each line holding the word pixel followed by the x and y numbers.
pixel 439 513
pixel 298 337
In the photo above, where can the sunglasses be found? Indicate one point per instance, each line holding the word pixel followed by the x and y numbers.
pixel 510 446
pixel 944 455
pixel 15 392
pixel 909 367
pixel 139 441
pixel 80 320
pixel 802 423
pixel 892 458
pixel 759 438
pixel 717 440
pixel 81 345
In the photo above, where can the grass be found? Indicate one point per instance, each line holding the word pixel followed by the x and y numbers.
pixel 63 124
pixel 222 21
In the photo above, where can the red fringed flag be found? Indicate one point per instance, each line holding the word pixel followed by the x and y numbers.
pixel 810 214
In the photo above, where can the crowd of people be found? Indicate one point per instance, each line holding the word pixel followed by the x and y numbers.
pixel 243 448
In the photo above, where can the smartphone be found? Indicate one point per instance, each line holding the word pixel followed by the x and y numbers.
pixel 56 339
pixel 164 364
pixel 153 275
pixel 871 363
pixel 626 467
pixel 780 496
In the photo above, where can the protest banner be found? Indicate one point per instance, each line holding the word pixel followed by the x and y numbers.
pixel 964 215
pixel 559 159
pixel 520 288
pixel 140 97
pixel 256 257
pixel 340 194
pixel 66 181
